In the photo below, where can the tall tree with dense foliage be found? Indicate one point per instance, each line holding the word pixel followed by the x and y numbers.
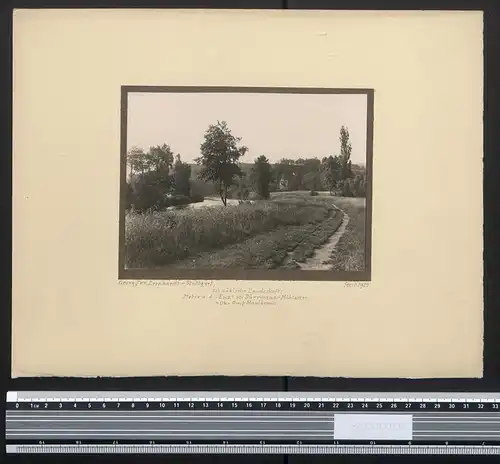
pixel 220 153
pixel 136 161
pixel 150 176
pixel 262 176
pixel 345 153
pixel 332 172
pixel 311 179
pixel 160 158
pixel 182 174
pixel 159 163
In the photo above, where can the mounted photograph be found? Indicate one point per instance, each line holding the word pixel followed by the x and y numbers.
pixel 246 183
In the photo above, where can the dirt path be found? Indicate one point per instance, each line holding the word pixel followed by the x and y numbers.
pixel 317 261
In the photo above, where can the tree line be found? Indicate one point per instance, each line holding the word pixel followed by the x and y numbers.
pixel 158 178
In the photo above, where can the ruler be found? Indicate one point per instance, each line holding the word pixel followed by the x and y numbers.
pixel 252 422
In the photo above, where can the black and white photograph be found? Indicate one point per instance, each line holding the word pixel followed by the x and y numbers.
pixel 246 183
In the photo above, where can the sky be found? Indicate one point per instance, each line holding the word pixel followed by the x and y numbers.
pixel 275 125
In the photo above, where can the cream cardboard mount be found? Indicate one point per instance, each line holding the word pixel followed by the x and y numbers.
pixel 421 312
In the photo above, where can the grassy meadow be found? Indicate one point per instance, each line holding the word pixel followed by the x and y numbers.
pixel 349 254
pixel 262 234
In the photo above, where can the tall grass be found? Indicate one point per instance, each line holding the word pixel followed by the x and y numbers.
pixel 158 238
pixel 349 254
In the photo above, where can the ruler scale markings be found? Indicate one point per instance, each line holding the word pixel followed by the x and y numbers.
pixel 453 421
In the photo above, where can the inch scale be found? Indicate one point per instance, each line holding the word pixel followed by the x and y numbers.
pixel 252 423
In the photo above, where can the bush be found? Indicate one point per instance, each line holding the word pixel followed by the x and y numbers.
pixel 129 196
pixel 351 187
pixel 197 198
pixel 205 189
pixel 176 200
pixel 145 197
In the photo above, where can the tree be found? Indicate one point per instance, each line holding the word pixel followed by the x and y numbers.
pixel 145 196
pixel 160 159
pixel 129 196
pixel 158 164
pixel 332 172
pixel 261 177
pixel 312 170
pixel 283 173
pixel 150 178
pixel 182 174
pixel 345 153
pixel 241 189
pixel 359 186
pixel 136 161
pixel 220 152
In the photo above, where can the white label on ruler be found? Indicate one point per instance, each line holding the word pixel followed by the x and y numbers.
pixel 373 426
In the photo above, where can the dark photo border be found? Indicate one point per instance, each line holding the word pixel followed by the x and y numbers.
pixel 490 382
pixel 240 273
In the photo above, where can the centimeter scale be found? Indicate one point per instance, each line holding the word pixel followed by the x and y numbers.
pixel 253 422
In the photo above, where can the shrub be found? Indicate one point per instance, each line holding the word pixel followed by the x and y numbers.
pixel 177 200
pixel 197 198
pixel 145 197
pixel 129 196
